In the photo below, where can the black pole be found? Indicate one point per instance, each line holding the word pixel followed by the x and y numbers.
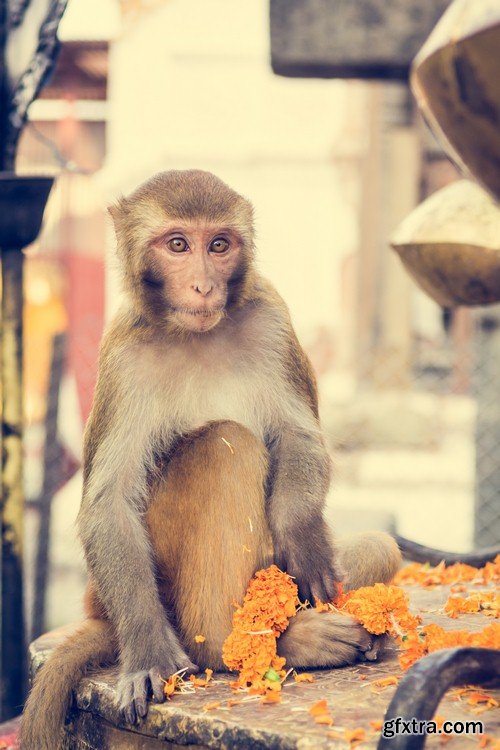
pixel 22 201
pixel 4 92
pixel 13 644
pixel 51 479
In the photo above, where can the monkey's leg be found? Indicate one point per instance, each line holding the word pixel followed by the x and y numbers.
pixel 209 530
pixel 315 639
pixel 208 527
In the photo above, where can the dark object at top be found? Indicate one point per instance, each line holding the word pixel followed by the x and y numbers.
pixel 22 203
pixel 17 95
pixel 350 38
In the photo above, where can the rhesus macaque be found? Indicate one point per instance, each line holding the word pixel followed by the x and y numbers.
pixel 203 461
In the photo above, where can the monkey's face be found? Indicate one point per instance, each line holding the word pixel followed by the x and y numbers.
pixel 196 262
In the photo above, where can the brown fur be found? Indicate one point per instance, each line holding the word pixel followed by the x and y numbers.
pixel 188 196
pixel 212 493
pixel 213 496
pixel 174 521
pixel 91 646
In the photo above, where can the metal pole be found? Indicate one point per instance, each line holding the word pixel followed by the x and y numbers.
pixel 51 479
pixel 13 666
pixel 487 506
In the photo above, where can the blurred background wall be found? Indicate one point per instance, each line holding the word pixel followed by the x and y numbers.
pixel 332 167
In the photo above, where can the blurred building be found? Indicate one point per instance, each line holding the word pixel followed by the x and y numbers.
pixel 331 167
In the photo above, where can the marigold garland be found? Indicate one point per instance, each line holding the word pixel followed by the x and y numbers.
pixel 479 601
pixel 426 640
pixel 250 649
pixel 426 575
pixel 380 609
pixel 271 600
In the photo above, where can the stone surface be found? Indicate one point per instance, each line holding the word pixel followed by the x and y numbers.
pixel 182 722
pixel 349 38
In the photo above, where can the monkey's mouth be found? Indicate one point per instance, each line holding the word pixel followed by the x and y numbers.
pixel 194 319
pixel 196 312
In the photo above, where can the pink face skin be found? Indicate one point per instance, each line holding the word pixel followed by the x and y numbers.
pixel 196 261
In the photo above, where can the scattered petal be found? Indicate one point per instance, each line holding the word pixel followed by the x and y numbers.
pixel 304 677
pixel 384 682
pixel 321 707
pixel 271 697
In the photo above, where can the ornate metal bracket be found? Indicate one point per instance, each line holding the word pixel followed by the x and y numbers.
pixel 419 693
pixel 420 553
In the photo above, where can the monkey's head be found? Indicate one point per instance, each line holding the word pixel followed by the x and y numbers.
pixel 185 240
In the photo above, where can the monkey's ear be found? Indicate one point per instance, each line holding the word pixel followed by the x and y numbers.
pixel 118 210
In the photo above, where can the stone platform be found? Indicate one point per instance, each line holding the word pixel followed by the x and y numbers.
pixel 94 723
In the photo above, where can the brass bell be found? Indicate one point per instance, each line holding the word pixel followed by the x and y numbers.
pixel 456 81
pixel 450 245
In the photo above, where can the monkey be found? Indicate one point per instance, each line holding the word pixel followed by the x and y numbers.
pixel 203 461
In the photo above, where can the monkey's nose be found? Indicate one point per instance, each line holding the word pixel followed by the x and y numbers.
pixel 203 287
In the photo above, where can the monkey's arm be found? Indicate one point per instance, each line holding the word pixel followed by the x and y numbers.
pixel 118 450
pixel 300 478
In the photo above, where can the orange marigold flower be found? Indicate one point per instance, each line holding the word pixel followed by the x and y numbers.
pixel 325 719
pixel 433 637
pixel 488 637
pixel 479 601
pixel 491 571
pixel 200 681
pixel 381 609
pixel 384 682
pixel 482 698
pixel 487 740
pixel 304 677
pixel 321 707
pixel 250 649
pixel 459 572
pixel 321 713
pixel 457 605
pixel 271 697
pixel 174 684
pixel 425 575
pixel 355 735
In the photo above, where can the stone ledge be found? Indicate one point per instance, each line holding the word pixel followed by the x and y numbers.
pixel 94 723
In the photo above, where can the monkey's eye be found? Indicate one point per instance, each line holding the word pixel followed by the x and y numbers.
pixel 219 245
pixel 177 245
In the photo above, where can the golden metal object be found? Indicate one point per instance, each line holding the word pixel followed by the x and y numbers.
pixel 450 245
pixel 456 81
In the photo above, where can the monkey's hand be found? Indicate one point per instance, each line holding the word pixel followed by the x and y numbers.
pixel 143 675
pixel 306 553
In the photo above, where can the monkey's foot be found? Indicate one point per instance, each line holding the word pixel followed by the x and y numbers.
pixel 134 688
pixel 324 639
pixel 377 648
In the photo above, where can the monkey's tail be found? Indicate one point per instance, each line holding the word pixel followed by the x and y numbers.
pixel 42 721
